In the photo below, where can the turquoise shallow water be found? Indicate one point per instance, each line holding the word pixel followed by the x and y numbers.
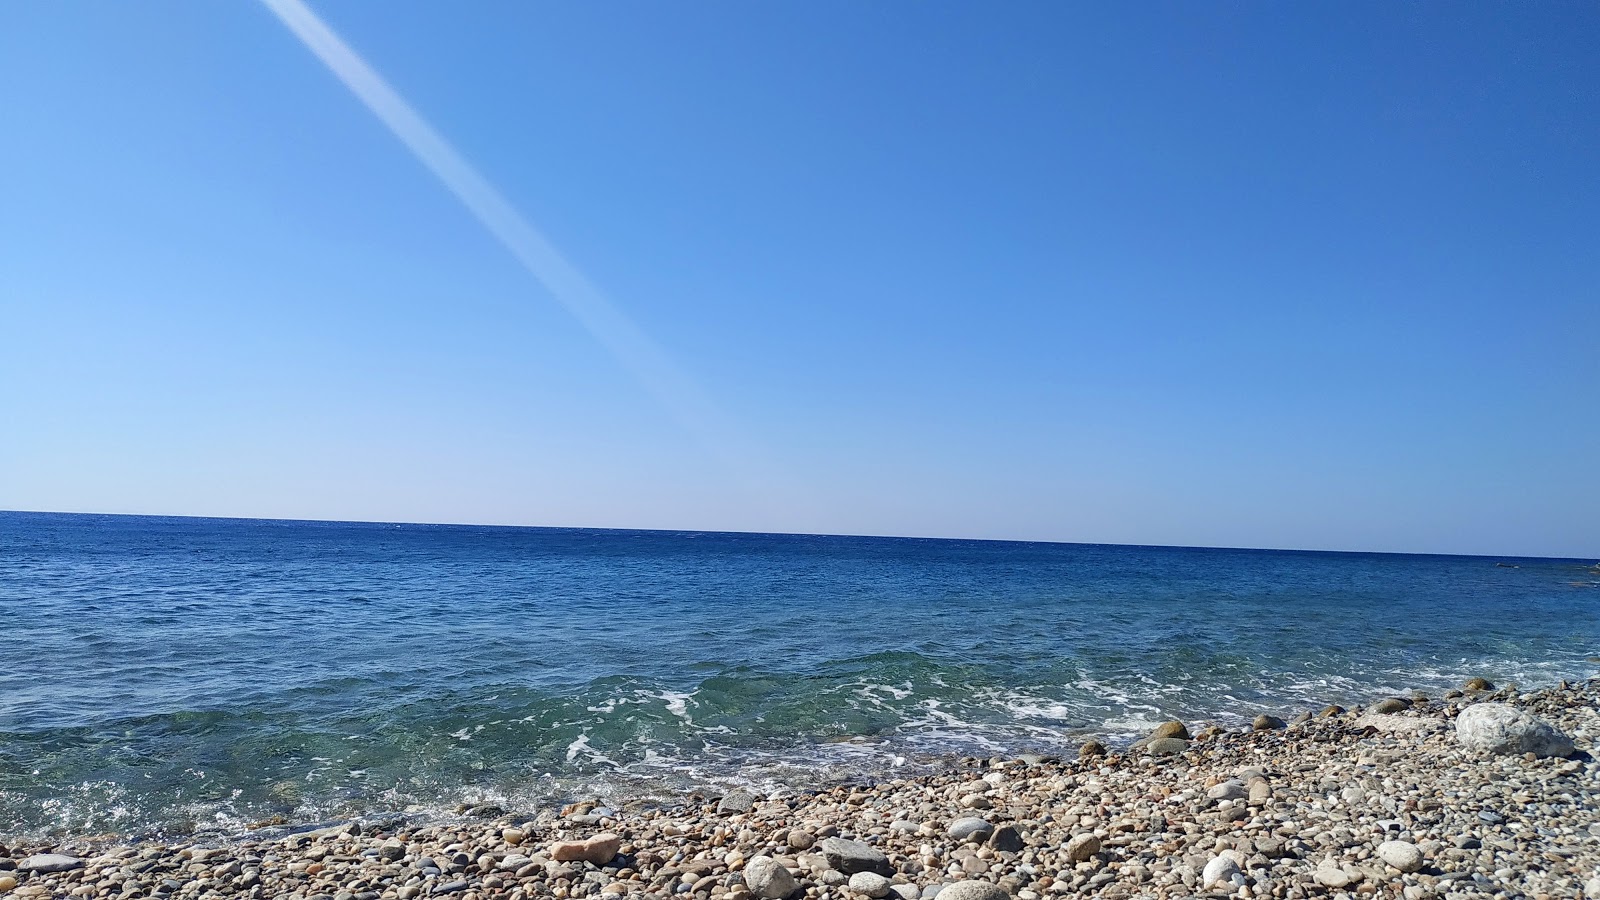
pixel 165 674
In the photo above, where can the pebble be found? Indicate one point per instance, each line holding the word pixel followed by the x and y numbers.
pixel 1006 839
pixel 1173 729
pixel 1082 848
pixel 870 884
pixel 970 828
pixel 1166 746
pixel 1403 855
pixel 972 890
pixel 768 879
pixel 737 802
pixel 850 857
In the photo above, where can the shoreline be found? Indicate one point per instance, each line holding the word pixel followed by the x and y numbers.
pixel 1383 801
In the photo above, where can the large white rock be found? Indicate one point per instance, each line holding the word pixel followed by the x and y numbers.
pixel 49 862
pixel 1498 728
pixel 1219 871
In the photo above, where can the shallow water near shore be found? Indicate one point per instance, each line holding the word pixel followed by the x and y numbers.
pixel 200 674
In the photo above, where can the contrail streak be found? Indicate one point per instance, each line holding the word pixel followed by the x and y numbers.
pixel 675 390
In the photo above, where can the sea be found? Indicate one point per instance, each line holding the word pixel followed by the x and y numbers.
pixel 183 676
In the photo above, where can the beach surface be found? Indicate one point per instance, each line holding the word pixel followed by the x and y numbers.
pixel 1475 793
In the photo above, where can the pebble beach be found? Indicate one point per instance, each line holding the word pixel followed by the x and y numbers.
pixel 1480 792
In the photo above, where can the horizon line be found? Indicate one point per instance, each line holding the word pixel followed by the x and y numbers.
pixel 723 531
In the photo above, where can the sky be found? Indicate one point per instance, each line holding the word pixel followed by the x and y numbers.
pixel 1254 275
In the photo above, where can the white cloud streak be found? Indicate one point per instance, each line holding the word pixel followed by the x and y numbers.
pixel 684 400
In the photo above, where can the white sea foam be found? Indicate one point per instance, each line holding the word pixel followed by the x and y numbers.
pixel 580 745
pixel 677 703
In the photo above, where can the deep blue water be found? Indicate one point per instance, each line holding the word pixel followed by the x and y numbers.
pixel 170 673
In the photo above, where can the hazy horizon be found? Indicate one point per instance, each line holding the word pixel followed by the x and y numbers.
pixel 914 537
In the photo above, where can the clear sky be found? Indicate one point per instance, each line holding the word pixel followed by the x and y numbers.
pixel 1246 274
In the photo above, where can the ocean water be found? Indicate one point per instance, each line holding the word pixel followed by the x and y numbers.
pixel 197 675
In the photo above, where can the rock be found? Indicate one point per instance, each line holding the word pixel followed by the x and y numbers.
pixel 1403 855
pixel 1082 848
pixel 970 828
pixel 768 879
pixel 600 849
pixel 851 857
pixel 1391 705
pixel 1328 712
pixel 906 891
pixel 1166 746
pixel 973 890
pixel 1219 871
pixel 1329 874
pixel 1265 722
pixel 1227 790
pixel 1006 839
pixel 737 802
pixel 871 884
pixel 1591 888
pixel 1500 729
pixel 49 862
pixel 1091 749
pixel 800 839
pixel 1173 729
pixel 512 836
pixel 1478 684
pixel 7 882
pixel 392 850
pixel 1260 791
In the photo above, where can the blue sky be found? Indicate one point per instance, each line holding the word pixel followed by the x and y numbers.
pixel 1308 275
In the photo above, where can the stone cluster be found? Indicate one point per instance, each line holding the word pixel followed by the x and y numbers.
pixel 1482 794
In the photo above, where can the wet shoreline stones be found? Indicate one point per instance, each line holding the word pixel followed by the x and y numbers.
pixel 1358 803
